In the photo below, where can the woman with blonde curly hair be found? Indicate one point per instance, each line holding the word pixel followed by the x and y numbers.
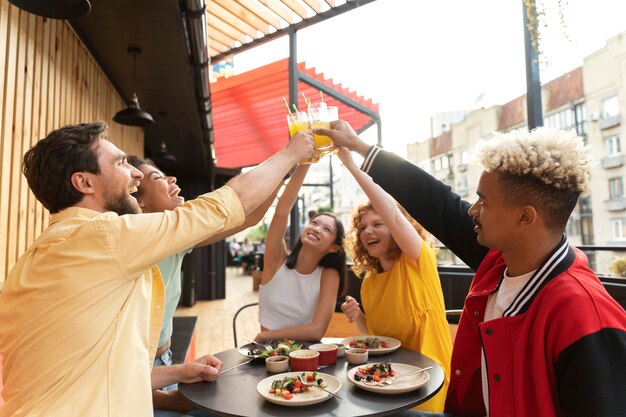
pixel 401 292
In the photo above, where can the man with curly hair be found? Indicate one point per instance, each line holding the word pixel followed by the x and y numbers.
pixel 539 334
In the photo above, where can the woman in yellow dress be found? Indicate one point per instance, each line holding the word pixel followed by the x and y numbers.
pixel 401 292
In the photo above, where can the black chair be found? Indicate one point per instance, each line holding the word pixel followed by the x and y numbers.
pixel 235 319
pixel 231 260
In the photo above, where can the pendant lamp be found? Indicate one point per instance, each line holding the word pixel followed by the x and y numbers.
pixel 133 115
pixel 55 9
pixel 164 155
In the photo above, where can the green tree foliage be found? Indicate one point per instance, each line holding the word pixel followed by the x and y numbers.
pixel 255 234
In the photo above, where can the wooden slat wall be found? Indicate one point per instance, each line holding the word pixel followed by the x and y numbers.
pixel 47 80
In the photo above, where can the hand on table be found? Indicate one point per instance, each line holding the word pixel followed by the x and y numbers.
pixel 205 368
pixel 260 337
pixel 351 309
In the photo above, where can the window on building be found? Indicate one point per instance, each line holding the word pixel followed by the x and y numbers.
pixel 617 228
pixel 610 107
pixel 613 145
pixel 616 187
pixel 445 162
pixel 437 164
pixel 573 227
pixel 580 115
pixel 585 205
pixel 563 119
pixel 464 157
pixel 462 183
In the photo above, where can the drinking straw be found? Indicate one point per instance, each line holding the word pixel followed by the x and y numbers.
pixel 321 96
pixel 294 107
pixel 287 105
pixel 306 100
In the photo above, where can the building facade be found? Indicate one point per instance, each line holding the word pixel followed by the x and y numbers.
pixel 589 99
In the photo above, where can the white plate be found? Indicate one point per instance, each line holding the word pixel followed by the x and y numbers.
pixel 312 396
pixel 246 349
pixel 393 343
pixel 406 384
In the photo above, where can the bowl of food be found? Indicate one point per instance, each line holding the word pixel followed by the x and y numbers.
pixel 304 360
pixel 277 364
pixel 357 356
pixel 328 353
pixel 341 349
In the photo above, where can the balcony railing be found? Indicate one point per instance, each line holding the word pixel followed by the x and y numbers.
pixel 457 278
pixel 612 161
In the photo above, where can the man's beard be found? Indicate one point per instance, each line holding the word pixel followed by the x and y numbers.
pixel 121 204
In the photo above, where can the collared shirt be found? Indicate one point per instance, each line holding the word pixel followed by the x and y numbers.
pixel 78 326
pixel 170 270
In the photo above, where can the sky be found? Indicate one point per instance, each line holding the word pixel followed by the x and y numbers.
pixel 416 58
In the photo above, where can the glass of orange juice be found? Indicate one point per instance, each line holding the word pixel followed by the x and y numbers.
pixel 320 116
pixel 298 121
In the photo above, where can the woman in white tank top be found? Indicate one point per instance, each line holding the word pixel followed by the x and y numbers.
pixel 299 289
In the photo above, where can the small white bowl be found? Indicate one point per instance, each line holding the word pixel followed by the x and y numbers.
pixel 357 356
pixel 341 349
pixel 277 364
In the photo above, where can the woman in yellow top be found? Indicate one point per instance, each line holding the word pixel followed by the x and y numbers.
pixel 401 293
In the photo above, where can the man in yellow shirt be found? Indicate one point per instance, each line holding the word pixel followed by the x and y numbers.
pixel 80 313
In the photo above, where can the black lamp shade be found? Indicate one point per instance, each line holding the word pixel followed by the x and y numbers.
pixel 164 157
pixel 55 9
pixel 167 158
pixel 133 115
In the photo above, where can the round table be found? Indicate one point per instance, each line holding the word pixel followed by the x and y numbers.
pixel 234 393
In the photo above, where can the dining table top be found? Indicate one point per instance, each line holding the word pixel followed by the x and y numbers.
pixel 235 392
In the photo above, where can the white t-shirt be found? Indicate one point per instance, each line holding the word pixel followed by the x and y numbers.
pixel 289 299
pixel 496 304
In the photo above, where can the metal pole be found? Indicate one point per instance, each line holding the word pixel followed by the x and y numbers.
pixel 330 183
pixel 294 229
pixel 533 84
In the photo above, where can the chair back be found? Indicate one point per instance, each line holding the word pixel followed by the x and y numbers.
pixel 247 320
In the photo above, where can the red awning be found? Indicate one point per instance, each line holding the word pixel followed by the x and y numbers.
pixel 249 115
